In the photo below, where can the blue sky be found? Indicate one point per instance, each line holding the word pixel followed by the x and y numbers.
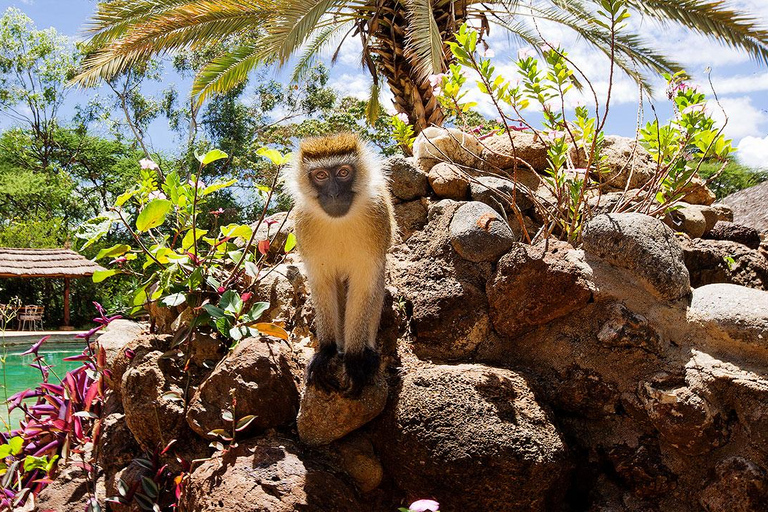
pixel 742 85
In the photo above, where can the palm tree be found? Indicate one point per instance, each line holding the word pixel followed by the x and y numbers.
pixel 403 41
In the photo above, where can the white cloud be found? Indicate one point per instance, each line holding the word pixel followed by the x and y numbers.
pixel 753 152
pixel 743 118
pixel 358 85
pixel 738 84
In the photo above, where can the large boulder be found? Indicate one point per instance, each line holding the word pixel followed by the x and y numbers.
pixel 738 233
pixel 473 438
pixel 722 261
pixel 692 219
pixel 479 233
pixel 153 400
pixel 739 485
pixel 696 192
pixel 643 246
pixel 256 376
pixel 267 475
pixel 533 286
pixel 446 292
pixel 435 144
pixel 448 181
pixel 117 336
pixel 625 161
pixel 411 216
pixel 529 151
pixel 406 180
pixel 736 313
pixel 327 416
pixel 498 192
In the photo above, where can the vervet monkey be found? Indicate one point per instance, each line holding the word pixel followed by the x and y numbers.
pixel 344 226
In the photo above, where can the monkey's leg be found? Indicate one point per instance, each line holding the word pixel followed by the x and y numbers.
pixel 365 299
pixel 327 321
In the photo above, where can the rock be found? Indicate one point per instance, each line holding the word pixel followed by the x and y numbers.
pixel 735 233
pixel 721 261
pixel 478 233
pixel 117 336
pixel 355 455
pixel 624 160
pixel 687 219
pixel 206 349
pixel 528 149
pixel 625 329
pixel 736 313
pixel 153 403
pixel 482 190
pixel 641 469
pixel 135 349
pixel 723 211
pixel 642 245
pixel 435 144
pixel 285 288
pixel 739 485
pixel 325 417
pixel 475 425
pixel 257 376
pixel 696 192
pixel 448 182
pixel 411 217
pixel 532 287
pixel 70 490
pixel 406 181
pixel 684 419
pixel 118 447
pixel 267 474
pixel 445 291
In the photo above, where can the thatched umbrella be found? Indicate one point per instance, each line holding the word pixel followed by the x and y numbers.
pixel 57 263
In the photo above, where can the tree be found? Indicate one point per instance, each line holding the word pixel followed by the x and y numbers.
pixel 403 41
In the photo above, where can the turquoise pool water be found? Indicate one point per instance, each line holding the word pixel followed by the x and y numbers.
pixel 19 376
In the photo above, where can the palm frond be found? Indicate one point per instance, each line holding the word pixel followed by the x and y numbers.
pixel 424 39
pixel 712 18
pixel 373 108
pixel 321 40
pixel 227 71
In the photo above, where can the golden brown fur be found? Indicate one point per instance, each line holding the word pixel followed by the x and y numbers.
pixel 344 256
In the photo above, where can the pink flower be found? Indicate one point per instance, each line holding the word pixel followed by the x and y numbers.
pixel 424 506
pixel 146 163
pixel 488 53
pixel 698 107
pixel 156 194
pixel 217 212
pixel 524 53
pixel 403 117
pixel 246 296
pixel 200 183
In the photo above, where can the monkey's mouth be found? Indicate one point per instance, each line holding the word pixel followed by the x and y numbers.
pixel 337 206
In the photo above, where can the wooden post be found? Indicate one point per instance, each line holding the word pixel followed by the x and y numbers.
pixel 66 302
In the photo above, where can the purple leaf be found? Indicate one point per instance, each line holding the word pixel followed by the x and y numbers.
pixel 34 348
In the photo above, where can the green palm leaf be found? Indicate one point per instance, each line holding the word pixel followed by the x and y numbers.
pixel 424 38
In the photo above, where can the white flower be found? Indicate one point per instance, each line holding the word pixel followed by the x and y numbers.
pixel 488 53
pixel 436 80
pixel 146 163
pixel 524 53
pixel 437 91
pixel 156 194
pixel 402 117
pixel 200 183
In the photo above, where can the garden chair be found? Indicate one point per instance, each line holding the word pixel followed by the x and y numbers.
pixel 31 315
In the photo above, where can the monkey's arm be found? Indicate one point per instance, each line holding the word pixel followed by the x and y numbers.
pixel 327 314
pixel 365 299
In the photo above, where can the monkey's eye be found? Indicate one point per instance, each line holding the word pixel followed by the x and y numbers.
pixel 320 175
pixel 344 171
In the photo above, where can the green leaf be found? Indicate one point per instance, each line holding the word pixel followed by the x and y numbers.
pixel 5 450
pixel 290 242
pixel 188 240
pixel 214 311
pixel 113 252
pixel 101 275
pixel 256 311
pixel 125 196
pixel 243 231
pixel 16 443
pixel 123 488
pixel 174 299
pixel 150 487
pixel 226 415
pixel 274 156
pixel 243 422
pixel 153 214
pixel 220 432
pixel 145 503
pixel 218 186
pixel 230 301
pixel 238 332
pixel 211 156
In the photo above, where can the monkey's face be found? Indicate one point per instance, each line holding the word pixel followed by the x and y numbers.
pixel 334 188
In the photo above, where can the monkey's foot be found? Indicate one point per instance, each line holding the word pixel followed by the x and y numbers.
pixel 320 370
pixel 361 368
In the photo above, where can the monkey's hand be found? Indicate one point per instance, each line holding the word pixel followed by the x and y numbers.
pixel 361 368
pixel 320 371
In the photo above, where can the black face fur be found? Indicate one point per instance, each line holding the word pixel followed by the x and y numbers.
pixel 334 188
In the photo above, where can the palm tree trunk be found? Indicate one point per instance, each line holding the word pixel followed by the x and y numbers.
pixel 412 91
